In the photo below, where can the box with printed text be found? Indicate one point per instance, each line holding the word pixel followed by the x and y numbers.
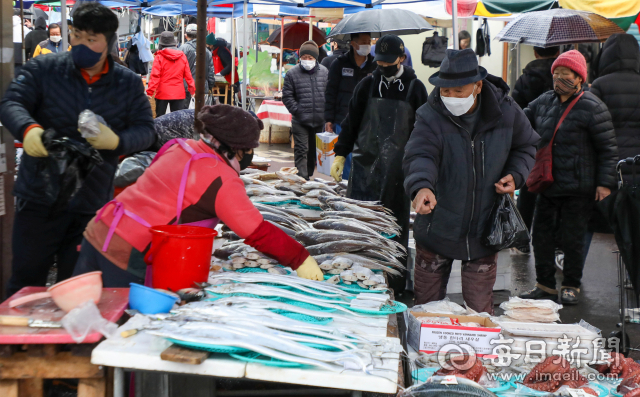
pixel 325 141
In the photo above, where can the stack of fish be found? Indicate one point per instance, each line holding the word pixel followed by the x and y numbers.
pixel 250 258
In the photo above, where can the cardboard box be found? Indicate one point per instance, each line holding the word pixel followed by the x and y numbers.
pixel 430 338
pixel 325 141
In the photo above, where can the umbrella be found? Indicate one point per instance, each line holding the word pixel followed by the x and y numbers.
pixel 295 34
pixel 40 13
pixel 510 6
pixel 557 27
pixel 622 210
pixel 380 23
pixel 622 12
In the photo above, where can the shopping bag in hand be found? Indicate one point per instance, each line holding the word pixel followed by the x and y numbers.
pixel 505 228
pixel 68 164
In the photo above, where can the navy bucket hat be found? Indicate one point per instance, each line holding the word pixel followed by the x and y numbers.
pixel 458 68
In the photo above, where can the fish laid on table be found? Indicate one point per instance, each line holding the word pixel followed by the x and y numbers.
pixel 434 387
pixel 291 178
pixel 355 226
pixel 370 205
pixel 336 205
pixel 286 220
pixel 362 261
pixel 276 210
pixel 309 186
pixel 229 249
pixel 310 286
pixel 315 193
pixel 270 199
pixel 290 187
pixel 313 236
pixel 311 202
pixel 266 191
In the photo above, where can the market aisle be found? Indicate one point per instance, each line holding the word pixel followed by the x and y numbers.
pixel 281 155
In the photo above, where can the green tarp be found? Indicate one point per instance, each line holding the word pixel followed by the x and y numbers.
pixel 517 6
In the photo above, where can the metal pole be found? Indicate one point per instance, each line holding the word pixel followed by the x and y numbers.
pixel 200 56
pixel 24 59
pixel 65 27
pixel 245 48
pixel 233 53
pixel 281 53
pixel 183 30
pixel 118 382
pixel 454 16
pixel 256 27
pixel 311 29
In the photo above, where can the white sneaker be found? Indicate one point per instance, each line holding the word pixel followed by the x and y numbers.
pixel 560 259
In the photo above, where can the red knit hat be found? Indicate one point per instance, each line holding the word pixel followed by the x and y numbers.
pixel 573 60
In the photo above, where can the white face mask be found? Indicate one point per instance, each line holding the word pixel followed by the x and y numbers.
pixel 363 50
pixel 459 106
pixel 55 39
pixel 308 65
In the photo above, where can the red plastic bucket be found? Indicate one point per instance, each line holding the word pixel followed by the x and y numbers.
pixel 180 255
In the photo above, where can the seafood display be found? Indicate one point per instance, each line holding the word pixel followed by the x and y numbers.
pixel 463 366
pixel 437 386
pixel 552 373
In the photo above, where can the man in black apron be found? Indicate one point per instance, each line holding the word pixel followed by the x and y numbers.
pixel 381 115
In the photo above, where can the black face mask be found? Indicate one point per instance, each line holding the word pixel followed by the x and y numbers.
pixel 388 71
pixel 246 160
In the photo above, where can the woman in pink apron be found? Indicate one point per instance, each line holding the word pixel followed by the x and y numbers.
pixel 189 182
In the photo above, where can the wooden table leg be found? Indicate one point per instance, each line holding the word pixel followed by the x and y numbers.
pixel 30 387
pixel 92 387
pixel 9 388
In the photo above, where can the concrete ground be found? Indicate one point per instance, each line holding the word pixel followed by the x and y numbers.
pixel 600 295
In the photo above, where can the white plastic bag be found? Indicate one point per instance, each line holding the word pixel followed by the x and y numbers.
pixel 192 103
pixel 85 319
pixel 444 306
pixel 88 124
pixel 531 310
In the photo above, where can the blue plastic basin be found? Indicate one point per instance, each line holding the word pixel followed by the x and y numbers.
pixel 149 301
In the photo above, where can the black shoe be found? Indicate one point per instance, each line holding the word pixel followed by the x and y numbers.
pixel 537 293
pixel 569 296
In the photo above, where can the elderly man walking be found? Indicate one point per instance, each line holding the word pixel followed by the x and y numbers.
pixel 471 142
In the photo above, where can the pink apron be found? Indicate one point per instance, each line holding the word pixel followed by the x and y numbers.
pixel 119 211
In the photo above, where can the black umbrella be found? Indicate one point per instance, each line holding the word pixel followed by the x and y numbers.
pixel 622 210
pixel 380 22
pixel 40 13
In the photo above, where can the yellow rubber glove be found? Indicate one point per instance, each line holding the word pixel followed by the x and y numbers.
pixel 337 167
pixel 32 143
pixel 310 270
pixel 106 140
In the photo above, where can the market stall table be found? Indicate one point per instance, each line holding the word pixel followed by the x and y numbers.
pixel 22 373
pixel 143 352
pixel 220 89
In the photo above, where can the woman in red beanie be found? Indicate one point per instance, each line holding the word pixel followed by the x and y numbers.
pixel 585 154
pixel 201 177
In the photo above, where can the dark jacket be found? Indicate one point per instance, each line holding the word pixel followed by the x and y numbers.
pixel 35 37
pixel 584 149
pixel 189 49
pixel 358 104
pixel 461 172
pixel 302 94
pixel 618 86
pixel 536 79
pixel 326 62
pixel 50 91
pixel 225 56
pixel 344 76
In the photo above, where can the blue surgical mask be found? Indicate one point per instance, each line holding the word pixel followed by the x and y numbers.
pixel 84 57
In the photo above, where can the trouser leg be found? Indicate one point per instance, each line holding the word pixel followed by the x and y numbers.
pixel 68 253
pixel 187 100
pixel 300 148
pixel 161 107
pixel 588 236
pixel 177 104
pixel 36 239
pixel 544 242
pixel 574 218
pixel 527 206
pixel 478 279
pixel 311 152
pixel 431 276
pixel 91 260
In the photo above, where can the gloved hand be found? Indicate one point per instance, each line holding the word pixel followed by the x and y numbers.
pixel 310 270
pixel 106 140
pixel 32 143
pixel 337 167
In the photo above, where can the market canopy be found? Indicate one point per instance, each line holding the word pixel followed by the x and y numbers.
pixel 170 10
pixel 622 12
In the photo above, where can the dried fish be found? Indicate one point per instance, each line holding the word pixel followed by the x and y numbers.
pixel 326 265
pixel 333 279
pixel 315 193
pixel 311 202
pixel 238 265
pixel 240 259
pixel 290 177
pixel 267 266
pixel 270 199
pixel 265 261
pixel 251 264
pixel 334 271
pixel 361 260
pixel 290 187
pixel 278 270
pixel 340 246
pixel 252 256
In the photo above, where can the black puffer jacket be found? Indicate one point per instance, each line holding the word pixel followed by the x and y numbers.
pixel 37 35
pixel 303 94
pixel 536 79
pixel 619 88
pixel 327 61
pixel 441 156
pixel 50 91
pixel 344 76
pixel 584 150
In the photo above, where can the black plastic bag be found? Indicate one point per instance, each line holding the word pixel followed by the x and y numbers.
pixel 68 165
pixel 505 228
pixel 131 168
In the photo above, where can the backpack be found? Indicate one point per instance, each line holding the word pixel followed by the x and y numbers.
pixel 433 50
pixel 483 40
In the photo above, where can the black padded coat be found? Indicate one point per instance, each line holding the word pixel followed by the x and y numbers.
pixel 585 152
pixel 51 91
pixel 303 94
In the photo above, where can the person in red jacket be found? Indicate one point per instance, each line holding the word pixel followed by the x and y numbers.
pixel 170 68
pixel 189 182
pixel 223 63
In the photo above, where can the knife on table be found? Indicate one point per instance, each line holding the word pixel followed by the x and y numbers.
pixel 28 322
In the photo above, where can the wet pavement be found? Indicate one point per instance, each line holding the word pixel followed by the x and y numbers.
pixel 600 294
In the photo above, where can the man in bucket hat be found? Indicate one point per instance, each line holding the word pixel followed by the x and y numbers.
pixel 470 143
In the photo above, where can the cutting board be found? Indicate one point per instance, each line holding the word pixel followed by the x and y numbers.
pixel 112 305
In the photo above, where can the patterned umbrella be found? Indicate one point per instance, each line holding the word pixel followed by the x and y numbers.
pixel 557 27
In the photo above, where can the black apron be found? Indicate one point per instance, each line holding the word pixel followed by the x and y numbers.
pixel 376 174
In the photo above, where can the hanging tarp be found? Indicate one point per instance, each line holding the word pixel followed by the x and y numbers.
pixel 622 12
pixel 519 6
pixel 481 11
